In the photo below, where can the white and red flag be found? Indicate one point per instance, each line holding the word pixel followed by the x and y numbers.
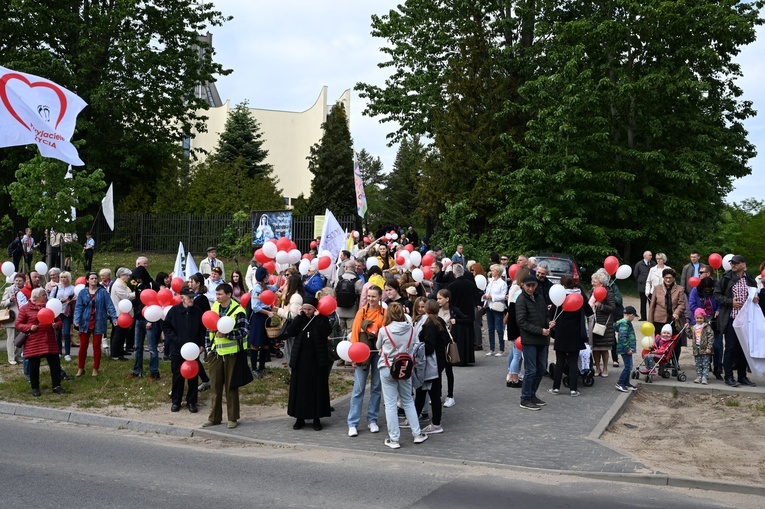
pixel 36 110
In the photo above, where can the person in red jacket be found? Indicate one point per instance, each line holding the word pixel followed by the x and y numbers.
pixel 41 342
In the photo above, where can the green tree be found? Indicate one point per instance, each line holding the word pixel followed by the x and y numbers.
pixel 374 180
pixel 402 184
pixel 219 188
pixel 242 137
pixel 331 163
pixel 136 64
pixel 42 194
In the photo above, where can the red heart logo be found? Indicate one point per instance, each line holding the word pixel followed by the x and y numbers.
pixel 4 95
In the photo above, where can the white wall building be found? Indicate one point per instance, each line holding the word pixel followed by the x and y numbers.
pixel 288 137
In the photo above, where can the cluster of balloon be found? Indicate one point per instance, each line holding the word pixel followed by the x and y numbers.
pixel 190 366
pixel 124 320
pixel 391 235
pixel 215 323
pixel 716 261
pixel 156 304
pixel 611 264
pixel 353 352
pixel 277 254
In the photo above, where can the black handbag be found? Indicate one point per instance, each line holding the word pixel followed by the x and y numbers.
pixel 20 339
pixel 242 374
pixel 285 325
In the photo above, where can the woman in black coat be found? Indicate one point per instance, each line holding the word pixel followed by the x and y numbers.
pixel 309 384
pixel 570 338
pixel 436 338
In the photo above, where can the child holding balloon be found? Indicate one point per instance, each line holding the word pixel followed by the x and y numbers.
pixel 625 346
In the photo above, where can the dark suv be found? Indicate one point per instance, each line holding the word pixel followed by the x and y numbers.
pixel 559 265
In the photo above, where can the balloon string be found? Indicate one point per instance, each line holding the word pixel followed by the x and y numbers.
pixel 557 313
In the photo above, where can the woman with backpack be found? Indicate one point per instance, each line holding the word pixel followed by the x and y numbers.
pixel 436 339
pixel 394 342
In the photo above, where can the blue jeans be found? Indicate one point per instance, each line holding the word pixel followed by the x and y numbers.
pixel 535 358
pixel 359 386
pixel 494 319
pixel 624 378
pixel 514 359
pixel 141 333
pixel 393 390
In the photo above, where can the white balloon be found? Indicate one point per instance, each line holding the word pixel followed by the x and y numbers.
pixel 225 324
pixel 282 257
pixel 557 294
pixel 326 252
pixel 54 305
pixel 355 234
pixel 407 264
pixel 726 261
pixel 415 258
pixel 446 262
pixel 303 267
pixel 269 249
pixel 153 313
pixel 77 289
pixel 646 342
pixel 480 282
pixel 342 350
pixel 41 268
pixel 315 264
pixel 384 305
pixel 327 271
pixel 189 351
pixel 417 275
pixel 125 306
pixel 294 256
pixel 405 254
pixel 623 272
pixel 394 236
pixel 8 269
pixel 372 262
pixel 165 310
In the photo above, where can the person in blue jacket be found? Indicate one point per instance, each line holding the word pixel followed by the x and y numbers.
pixel 93 305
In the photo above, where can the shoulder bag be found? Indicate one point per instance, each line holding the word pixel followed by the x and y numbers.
pixel 452 350
pixel 20 339
pixel 599 329
pixel 7 315
pixel 242 374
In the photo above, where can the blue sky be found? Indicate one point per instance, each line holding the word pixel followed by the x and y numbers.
pixel 282 53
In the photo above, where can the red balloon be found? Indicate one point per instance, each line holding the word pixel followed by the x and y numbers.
pixel 45 316
pixel 611 264
pixel 359 352
pixel 176 284
pixel 149 297
pixel 308 256
pixel 283 244
pixel 270 267
pixel 81 281
pixel 260 256
pixel 762 274
pixel 409 247
pixel 245 299
pixel 210 320
pixel 292 246
pixel 715 260
pixel 428 260
pixel 573 302
pixel 324 262
pixel 189 369
pixel 427 273
pixel 327 305
pixel 600 293
pixel 694 281
pixel 272 279
pixel 512 270
pixel 518 344
pixel 125 320
pixel 367 240
pixel 176 300
pixel 644 353
pixel 165 297
pixel 268 297
pixel 313 244
pixel 400 260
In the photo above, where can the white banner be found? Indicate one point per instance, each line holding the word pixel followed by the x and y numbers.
pixel 332 239
pixel 178 267
pixel 191 266
pixel 36 110
pixel 108 205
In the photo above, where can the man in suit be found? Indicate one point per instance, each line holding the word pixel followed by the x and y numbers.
pixel 689 271
pixel 642 268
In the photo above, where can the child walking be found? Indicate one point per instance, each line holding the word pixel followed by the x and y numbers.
pixel 625 346
pixel 702 338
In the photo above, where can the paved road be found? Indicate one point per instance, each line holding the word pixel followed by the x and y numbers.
pixel 49 464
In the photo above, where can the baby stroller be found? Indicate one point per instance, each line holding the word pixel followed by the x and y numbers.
pixel 661 361
pixel 586 368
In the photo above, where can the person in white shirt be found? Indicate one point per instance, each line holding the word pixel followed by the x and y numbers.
pixel 209 263
pixel 494 300
pixel 215 279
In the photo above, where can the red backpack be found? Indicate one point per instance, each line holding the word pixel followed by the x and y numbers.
pixel 403 363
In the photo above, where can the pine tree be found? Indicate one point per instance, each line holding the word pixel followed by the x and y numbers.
pixel 402 184
pixel 242 138
pixel 331 163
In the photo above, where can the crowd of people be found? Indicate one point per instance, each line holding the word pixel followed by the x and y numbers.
pixel 382 304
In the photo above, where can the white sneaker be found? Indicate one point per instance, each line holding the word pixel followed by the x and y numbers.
pixel 393 444
pixel 449 403
pixel 574 394
pixel 432 429
pixel 499 354
pixel 373 427
pixel 68 358
pixel 352 431
pixel 553 391
pixel 489 354
pixel 420 438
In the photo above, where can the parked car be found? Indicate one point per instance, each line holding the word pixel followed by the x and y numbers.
pixel 560 265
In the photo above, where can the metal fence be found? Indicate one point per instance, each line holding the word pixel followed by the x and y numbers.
pixel 162 232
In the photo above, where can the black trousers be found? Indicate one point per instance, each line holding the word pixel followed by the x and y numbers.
pixel 561 358
pixel 643 304
pixel 54 363
pixel 435 400
pixel 88 259
pixel 176 394
pixel 733 353
pixel 119 335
